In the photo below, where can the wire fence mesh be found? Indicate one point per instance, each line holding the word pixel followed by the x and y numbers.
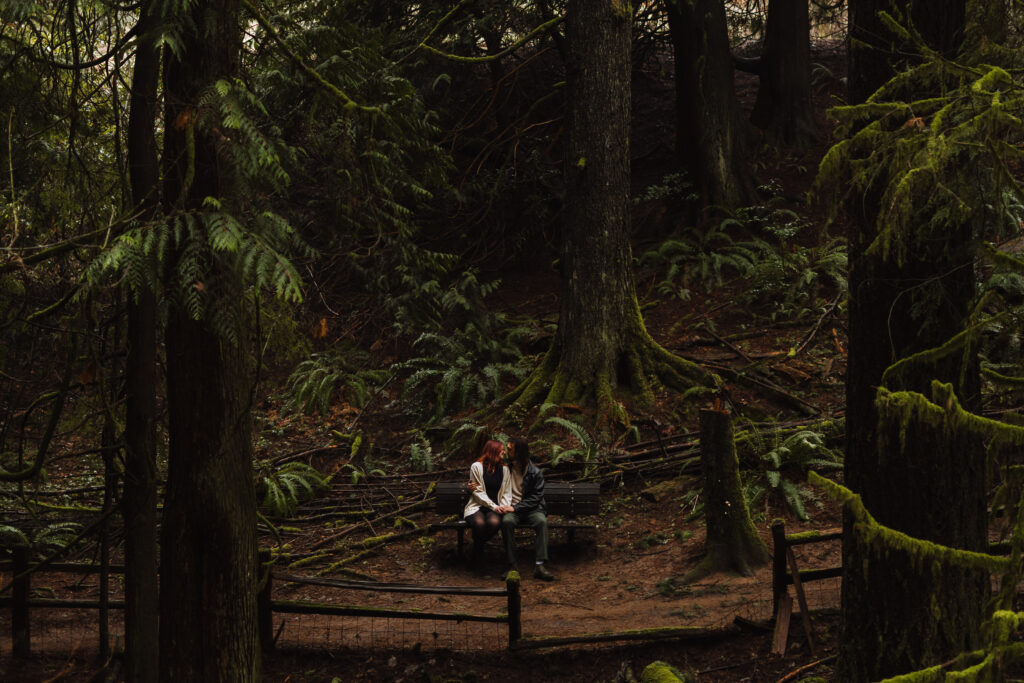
pixel 431 621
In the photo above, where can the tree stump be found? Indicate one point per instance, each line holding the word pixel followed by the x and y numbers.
pixel 732 541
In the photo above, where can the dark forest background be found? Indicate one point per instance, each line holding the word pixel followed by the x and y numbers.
pixel 235 230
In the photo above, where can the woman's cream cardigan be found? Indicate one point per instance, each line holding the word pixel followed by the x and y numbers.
pixel 478 499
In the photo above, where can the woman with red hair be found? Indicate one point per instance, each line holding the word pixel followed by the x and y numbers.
pixel 491 497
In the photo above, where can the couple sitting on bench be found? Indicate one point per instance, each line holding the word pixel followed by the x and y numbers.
pixel 503 496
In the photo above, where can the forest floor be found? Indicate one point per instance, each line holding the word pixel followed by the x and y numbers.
pixel 615 578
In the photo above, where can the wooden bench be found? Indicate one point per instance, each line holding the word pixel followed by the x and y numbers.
pixel 567 499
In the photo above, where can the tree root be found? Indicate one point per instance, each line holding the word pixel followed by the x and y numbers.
pixel 632 376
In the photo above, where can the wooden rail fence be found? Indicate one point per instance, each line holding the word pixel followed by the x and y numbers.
pixel 785 573
pixel 21 602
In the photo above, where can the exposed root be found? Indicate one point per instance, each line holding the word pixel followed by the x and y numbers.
pixel 633 378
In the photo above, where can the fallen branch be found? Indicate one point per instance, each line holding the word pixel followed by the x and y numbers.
pixel 807 667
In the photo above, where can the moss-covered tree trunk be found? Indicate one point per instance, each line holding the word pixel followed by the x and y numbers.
pixel 208 566
pixel 710 129
pixel 783 106
pixel 601 344
pixel 916 477
pixel 138 505
pixel 732 541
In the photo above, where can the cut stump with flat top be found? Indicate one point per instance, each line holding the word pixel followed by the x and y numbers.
pixel 733 543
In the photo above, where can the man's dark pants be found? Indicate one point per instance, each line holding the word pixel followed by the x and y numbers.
pixel 536 519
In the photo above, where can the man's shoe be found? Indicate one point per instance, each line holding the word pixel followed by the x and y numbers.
pixel 541 572
pixel 511 568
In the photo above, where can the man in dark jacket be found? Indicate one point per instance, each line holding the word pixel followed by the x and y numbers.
pixel 527 507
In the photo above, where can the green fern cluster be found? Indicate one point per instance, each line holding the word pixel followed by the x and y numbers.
pixel 789 281
pixel 701 257
pixel 200 258
pixel 798 453
pixel 464 363
pixel 421 455
pixel 674 186
pixel 315 380
pixel 585 453
pixel 755 244
pixel 44 541
pixel 463 369
pixel 365 181
pixel 283 488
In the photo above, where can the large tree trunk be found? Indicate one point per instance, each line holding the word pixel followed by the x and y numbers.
pixel 208 564
pixel 601 343
pixel 208 569
pixel 710 129
pixel 897 614
pixel 922 479
pixel 783 107
pixel 138 506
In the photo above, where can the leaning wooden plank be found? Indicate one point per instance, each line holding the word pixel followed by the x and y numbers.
pixel 782 615
pixel 805 614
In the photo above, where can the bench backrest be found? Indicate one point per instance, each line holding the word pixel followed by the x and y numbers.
pixel 568 498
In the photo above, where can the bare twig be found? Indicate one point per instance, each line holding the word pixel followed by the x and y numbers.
pixel 817 326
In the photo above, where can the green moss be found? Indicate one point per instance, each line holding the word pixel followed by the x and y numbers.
pixel 662 672
pixel 374 541
pixel 942 411
pixel 884 538
pixel 927 358
pixel 813 533
pixel 513 577
pixel 307 560
pixel 332 568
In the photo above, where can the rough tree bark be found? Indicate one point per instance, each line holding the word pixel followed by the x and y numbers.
pixel 208 568
pixel 138 505
pixel 897 614
pixel 710 129
pixel 732 542
pixel 601 344
pixel 783 107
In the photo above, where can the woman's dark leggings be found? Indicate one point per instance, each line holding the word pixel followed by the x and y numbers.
pixel 484 524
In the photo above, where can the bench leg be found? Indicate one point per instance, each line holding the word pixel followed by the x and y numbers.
pixel 572 536
pixel 461 532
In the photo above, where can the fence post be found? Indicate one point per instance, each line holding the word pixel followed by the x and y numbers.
pixel 21 634
pixel 778 564
pixel 264 610
pixel 515 608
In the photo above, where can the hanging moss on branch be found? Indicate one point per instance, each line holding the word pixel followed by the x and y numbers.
pixel 884 538
pixel 925 155
pixel 1000 656
pixel 943 411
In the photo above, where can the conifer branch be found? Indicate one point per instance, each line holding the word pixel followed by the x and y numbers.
pixel 550 23
pixel 308 70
